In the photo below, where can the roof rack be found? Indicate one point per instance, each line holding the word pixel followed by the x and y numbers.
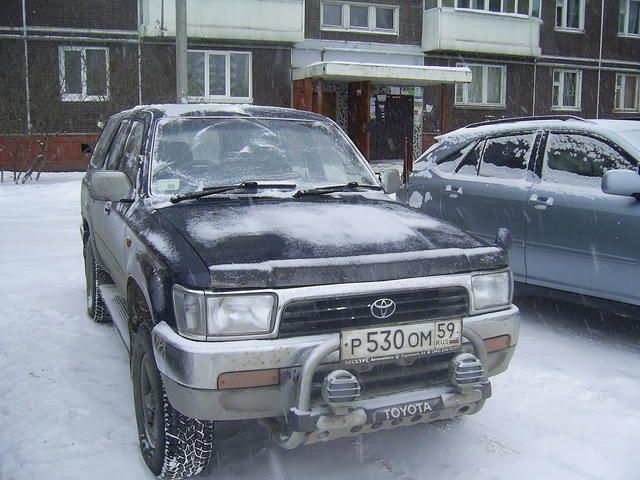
pixel 563 118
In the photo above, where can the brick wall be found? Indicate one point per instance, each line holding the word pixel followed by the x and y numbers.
pixel 64 152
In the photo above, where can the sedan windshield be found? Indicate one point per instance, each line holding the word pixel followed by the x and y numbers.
pixel 191 154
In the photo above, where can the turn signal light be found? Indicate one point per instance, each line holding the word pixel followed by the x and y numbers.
pixel 497 343
pixel 248 379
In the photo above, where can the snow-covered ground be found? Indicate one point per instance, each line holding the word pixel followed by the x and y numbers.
pixel 568 408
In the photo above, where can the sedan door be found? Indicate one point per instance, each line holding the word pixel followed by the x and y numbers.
pixel 580 239
pixel 488 190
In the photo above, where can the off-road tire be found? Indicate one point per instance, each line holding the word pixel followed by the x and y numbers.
pixel 175 446
pixel 95 276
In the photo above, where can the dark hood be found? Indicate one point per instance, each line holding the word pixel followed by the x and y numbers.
pixel 256 243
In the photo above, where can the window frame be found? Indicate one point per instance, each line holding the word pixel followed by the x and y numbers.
pixel 486 8
pixel 227 97
pixel 619 91
pixel 485 88
pixel 346 16
pixel 561 84
pixel 623 19
pixel 565 13
pixel 81 97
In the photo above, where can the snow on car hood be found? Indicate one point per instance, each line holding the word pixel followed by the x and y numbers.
pixel 268 243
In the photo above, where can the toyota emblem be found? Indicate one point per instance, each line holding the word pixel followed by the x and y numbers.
pixel 383 308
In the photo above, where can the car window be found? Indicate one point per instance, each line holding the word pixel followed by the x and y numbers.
pixel 129 161
pixel 469 164
pixel 574 159
pixel 507 157
pixel 104 142
pixel 115 152
pixel 448 164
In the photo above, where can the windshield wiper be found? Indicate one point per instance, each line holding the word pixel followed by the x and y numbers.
pixel 226 188
pixel 333 189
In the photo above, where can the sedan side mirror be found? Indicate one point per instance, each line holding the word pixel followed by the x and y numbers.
pixel 390 178
pixel 110 186
pixel 621 182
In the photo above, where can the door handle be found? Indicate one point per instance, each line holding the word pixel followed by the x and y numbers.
pixel 453 192
pixel 107 208
pixel 540 203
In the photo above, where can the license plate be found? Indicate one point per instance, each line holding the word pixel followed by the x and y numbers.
pixel 388 342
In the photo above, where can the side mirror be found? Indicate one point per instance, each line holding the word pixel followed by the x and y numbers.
pixel 110 186
pixel 390 178
pixel 503 239
pixel 621 182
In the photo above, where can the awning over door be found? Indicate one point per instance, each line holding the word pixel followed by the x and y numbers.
pixel 410 75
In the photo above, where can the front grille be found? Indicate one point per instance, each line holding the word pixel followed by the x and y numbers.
pixel 310 317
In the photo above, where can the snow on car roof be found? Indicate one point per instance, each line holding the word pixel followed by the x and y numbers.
pixel 215 109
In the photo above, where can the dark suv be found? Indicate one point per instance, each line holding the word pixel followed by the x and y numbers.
pixel 256 269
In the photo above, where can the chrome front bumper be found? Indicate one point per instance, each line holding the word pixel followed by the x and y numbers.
pixel 190 369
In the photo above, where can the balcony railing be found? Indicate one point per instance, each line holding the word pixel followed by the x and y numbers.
pixel 255 20
pixel 480 32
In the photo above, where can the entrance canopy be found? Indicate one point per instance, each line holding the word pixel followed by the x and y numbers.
pixel 410 75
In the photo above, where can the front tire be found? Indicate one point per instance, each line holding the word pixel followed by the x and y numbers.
pixel 94 277
pixel 173 445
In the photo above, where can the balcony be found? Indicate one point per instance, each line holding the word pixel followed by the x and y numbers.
pixel 475 31
pixel 251 20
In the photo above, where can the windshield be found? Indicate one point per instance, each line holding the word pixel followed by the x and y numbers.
pixel 190 154
pixel 631 136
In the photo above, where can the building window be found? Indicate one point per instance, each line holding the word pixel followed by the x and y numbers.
pixel 520 7
pixel 627 97
pixel 359 17
pixel 629 22
pixel 570 15
pixel 567 89
pixel 487 87
pixel 84 74
pixel 219 76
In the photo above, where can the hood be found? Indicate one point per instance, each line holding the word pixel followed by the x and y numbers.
pixel 258 243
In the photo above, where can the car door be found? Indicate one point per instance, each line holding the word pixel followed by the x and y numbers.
pixel 580 239
pixel 108 232
pixel 488 190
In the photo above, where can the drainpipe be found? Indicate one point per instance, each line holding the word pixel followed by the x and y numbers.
pixel 600 60
pixel 26 65
pixel 181 51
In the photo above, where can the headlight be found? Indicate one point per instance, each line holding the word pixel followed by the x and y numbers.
pixel 491 290
pixel 204 317
pixel 239 314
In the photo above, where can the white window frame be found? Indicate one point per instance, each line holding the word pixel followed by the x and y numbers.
pixel 485 8
pixel 623 22
pixel 621 79
pixel 81 97
pixel 226 98
pixel 485 88
pixel 346 20
pixel 560 84
pixel 565 13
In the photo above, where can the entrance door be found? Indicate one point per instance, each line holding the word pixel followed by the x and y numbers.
pixel 329 105
pixel 392 123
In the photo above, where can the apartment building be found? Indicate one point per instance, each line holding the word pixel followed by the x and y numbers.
pixel 392 73
pixel 536 57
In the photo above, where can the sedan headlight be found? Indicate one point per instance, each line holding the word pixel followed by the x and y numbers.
pixel 491 290
pixel 205 317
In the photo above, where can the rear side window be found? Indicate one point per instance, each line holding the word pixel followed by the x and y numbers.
pixel 106 137
pixel 129 161
pixel 507 157
pixel 573 159
pixel 115 152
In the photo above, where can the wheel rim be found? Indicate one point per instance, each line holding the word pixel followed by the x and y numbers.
pixel 149 399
